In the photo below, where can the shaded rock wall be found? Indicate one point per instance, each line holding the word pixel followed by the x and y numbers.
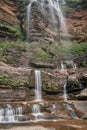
pixel 9 22
pixel 8 94
pixel 76 21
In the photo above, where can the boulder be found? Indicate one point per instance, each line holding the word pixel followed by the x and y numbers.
pixel 82 95
pixel 41 65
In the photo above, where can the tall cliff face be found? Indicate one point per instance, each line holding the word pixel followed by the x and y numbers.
pixel 13 22
pixel 9 22
pixel 42 27
pixel 76 21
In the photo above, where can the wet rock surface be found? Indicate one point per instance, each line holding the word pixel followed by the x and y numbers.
pixel 53 125
pixel 30 128
pixel 22 81
pixel 12 13
pixel 9 22
pixel 7 94
pixel 82 95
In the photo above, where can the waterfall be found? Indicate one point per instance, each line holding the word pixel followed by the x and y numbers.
pixel 64 72
pixel 36 108
pixel 60 15
pixel 36 111
pixel 1 114
pixel 65 91
pixel 9 113
pixel 71 110
pixel 53 6
pixel 29 17
pixel 38 93
pixel 19 110
pixel 62 67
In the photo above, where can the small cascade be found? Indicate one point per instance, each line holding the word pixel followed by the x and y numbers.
pixel 38 93
pixel 8 113
pixel 29 17
pixel 65 91
pixel 19 110
pixel 55 11
pixel 74 66
pixel 53 109
pixel 36 108
pixel 71 110
pixel 57 6
pixel 36 111
pixel 64 72
pixel 62 67
pixel 80 85
pixel 1 114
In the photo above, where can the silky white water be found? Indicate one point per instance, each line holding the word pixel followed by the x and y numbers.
pixel 38 93
pixel 65 91
pixel 8 113
pixel 55 11
pixel 28 18
pixel 65 82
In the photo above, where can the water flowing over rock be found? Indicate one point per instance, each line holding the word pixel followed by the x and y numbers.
pixel 45 27
pixel 13 14
pixel 9 22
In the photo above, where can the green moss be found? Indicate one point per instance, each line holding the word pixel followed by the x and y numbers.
pixel 79 49
pixel 4 79
pixel 5 45
pixel 7 79
pixel 49 86
pixel 74 1
pixel 16 29
pixel 43 52
pixel 42 55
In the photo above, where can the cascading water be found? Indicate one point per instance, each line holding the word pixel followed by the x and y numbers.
pixel 19 110
pixel 71 110
pixel 38 93
pixel 8 114
pixel 29 17
pixel 65 81
pixel 53 6
pixel 62 67
pixel 65 92
pixel 36 111
pixel 1 114
pixel 60 15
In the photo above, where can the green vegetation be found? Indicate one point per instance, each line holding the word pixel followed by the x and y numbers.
pixel 44 52
pixel 14 30
pixel 74 1
pixel 11 81
pixel 50 86
pixel 79 49
pixel 4 79
pixel 67 49
pixel 4 45
pixel 42 55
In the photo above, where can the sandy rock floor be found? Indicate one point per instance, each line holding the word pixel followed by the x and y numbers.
pixel 28 128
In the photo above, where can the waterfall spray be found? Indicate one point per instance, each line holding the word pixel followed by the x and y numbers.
pixel 38 94
pixel 53 6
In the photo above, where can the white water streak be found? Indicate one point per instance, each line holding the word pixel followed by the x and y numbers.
pixel 38 93
pixel 53 6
